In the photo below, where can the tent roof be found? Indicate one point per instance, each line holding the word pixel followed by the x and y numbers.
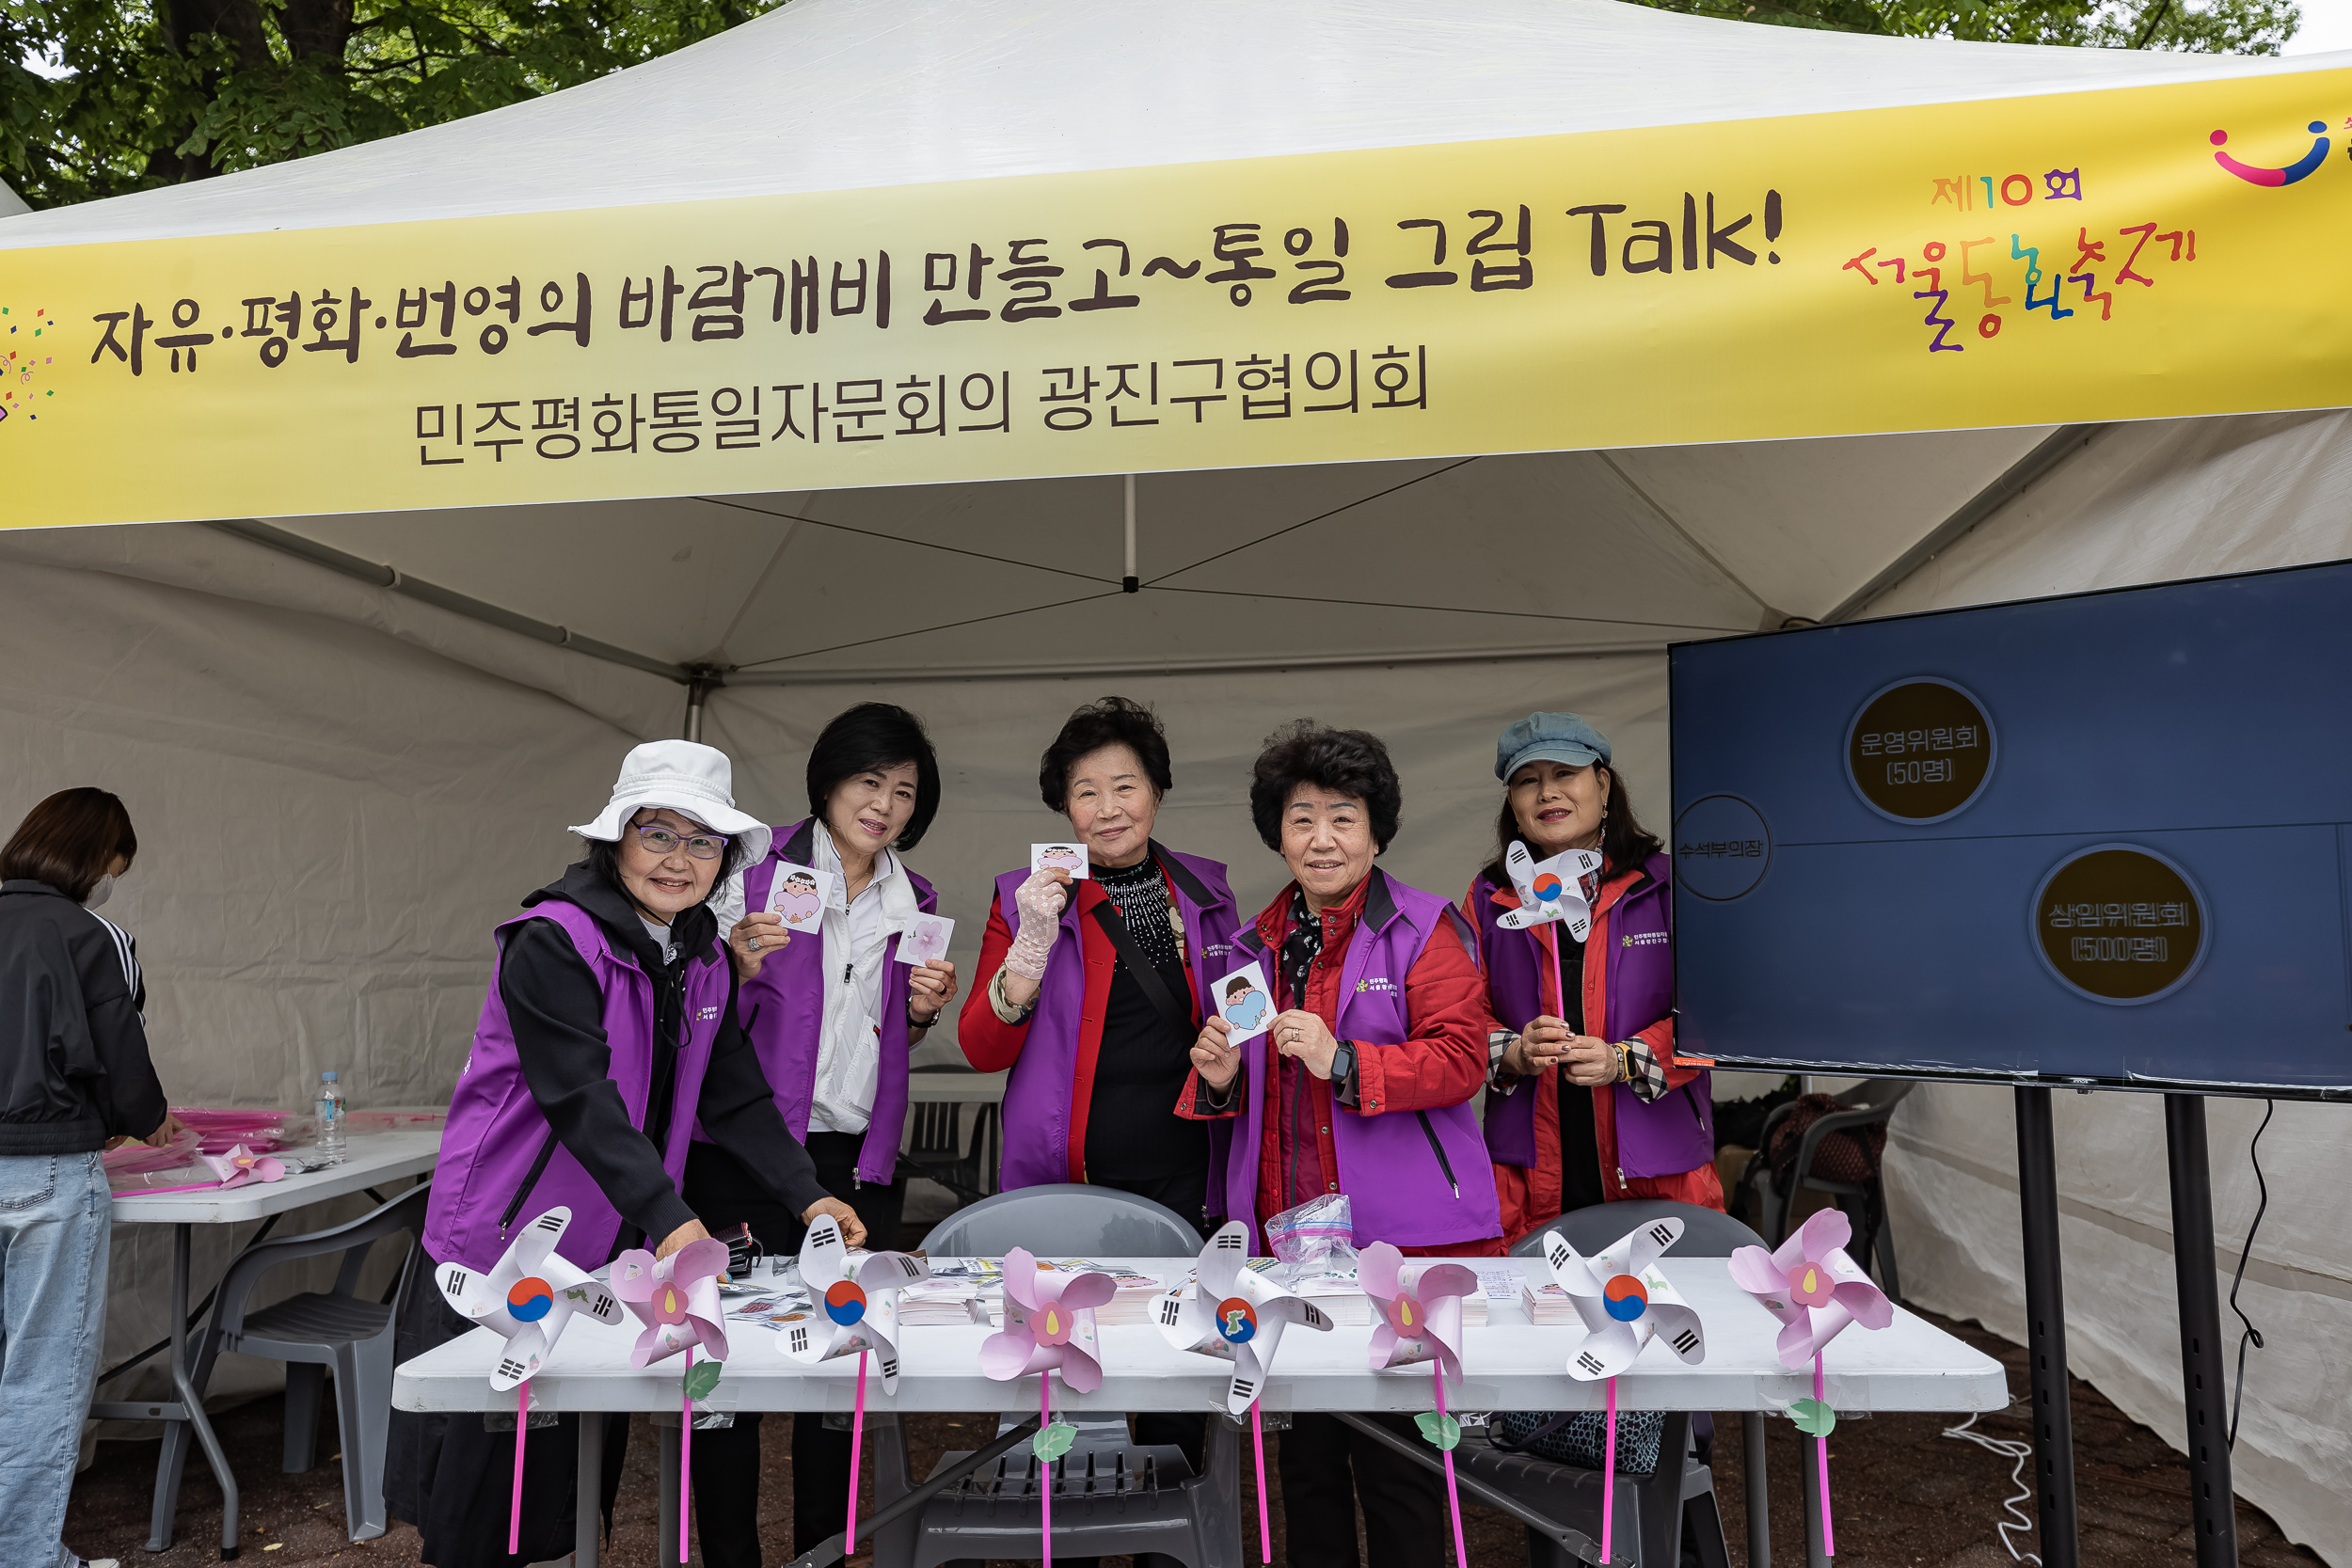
pixel 841 94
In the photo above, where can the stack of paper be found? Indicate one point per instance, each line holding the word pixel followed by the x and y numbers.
pixel 1549 1304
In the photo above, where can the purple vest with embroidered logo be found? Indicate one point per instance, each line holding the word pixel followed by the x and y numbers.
pixel 501 1166
pixel 783 1008
pixel 1663 1137
pixel 1412 1178
pixel 1037 1095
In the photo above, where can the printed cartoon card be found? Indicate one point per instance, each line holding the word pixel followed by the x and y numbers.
pixel 1066 857
pixel 1244 1001
pixel 925 938
pixel 801 893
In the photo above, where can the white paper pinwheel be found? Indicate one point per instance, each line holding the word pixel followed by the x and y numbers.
pixel 1560 888
pixel 1812 1287
pixel 529 1297
pixel 1049 1324
pixel 241 1166
pixel 1421 1309
pixel 677 1298
pixel 1624 1299
pixel 1233 1313
pixel 856 1301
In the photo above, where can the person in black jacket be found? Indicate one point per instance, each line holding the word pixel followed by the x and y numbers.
pixel 605 1055
pixel 74 1079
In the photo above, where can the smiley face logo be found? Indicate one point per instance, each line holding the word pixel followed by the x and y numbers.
pixel 1237 1321
pixel 2274 177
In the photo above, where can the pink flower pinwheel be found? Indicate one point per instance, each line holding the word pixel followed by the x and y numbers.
pixel 241 1166
pixel 1421 1309
pixel 677 1298
pixel 1049 1322
pixel 1812 1287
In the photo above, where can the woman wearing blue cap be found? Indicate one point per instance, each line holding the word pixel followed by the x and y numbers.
pixel 1585 1104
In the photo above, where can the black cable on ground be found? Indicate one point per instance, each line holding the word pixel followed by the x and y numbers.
pixel 2252 1335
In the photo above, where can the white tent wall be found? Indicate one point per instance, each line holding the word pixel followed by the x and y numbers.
pixel 338 793
pixel 2145 504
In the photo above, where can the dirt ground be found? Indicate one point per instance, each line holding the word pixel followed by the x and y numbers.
pixel 1903 1495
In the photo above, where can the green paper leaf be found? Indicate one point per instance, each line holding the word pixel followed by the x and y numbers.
pixel 1054 1441
pixel 1440 1432
pixel 1813 1417
pixel 703 1379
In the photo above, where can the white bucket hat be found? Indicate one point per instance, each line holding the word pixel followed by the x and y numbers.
pixel 686 777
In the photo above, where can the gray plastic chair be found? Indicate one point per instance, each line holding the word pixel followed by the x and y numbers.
pixel 1871 1101
pixel 1112 1496
pixel 313 1333
pixel 1653 1512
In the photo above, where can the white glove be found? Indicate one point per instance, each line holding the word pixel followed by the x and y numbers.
pixel 1038 902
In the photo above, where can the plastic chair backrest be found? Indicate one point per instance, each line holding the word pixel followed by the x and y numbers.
pixel 1064 1220
pixel 402 1212
pixel 1705 1232
pixel 1879 1094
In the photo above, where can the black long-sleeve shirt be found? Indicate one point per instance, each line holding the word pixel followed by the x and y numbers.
pixel 556 1010
pixel 73 1065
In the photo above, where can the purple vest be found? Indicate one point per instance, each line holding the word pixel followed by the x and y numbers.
pixel 1664 1138
pixel 783 1009
pixel 501 1166
pixel 1412 1178
pixel 1037 1095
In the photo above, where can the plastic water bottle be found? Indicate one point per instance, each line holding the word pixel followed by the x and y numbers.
pixel 330 1117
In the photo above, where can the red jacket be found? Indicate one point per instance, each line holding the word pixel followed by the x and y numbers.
pixel 991 1045
pixel 1442 1065
pixel 1530 1196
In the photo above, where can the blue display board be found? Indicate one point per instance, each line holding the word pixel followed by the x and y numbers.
pixel 2101 839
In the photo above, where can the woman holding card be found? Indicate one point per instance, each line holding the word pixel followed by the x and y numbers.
pixel 1361 1085
pixel 609 1032
pixel 1091 989
pixel 834 1004
pixel 1578 1115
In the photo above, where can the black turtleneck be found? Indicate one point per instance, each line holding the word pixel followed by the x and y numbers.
pixel 556 1011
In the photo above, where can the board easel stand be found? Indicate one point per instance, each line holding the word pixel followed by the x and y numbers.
pixel 2199 1294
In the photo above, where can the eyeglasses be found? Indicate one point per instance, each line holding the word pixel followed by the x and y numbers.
pixel 664 841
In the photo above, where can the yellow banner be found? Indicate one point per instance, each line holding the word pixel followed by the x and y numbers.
pixel 2126 254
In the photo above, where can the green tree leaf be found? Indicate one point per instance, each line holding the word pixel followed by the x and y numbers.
pixel 703 1379
pixel 1813 1417
pixel 1054 1441
pixel 1440 1432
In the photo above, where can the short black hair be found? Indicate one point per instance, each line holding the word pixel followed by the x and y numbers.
pixel 1112 721
pixel 1349 761
pixel 69 840
pixel 1240 984
pixel 865 739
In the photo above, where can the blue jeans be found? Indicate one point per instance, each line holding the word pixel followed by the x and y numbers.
pixel 55 1223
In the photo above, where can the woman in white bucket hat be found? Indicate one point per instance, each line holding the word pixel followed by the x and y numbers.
pixel 609 1033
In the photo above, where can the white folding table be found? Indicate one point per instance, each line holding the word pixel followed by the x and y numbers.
pixel 1509 1364
pixel 370 1159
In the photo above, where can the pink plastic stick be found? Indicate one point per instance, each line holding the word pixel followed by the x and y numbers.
pixel 1829 1537
pixel 1452 1497
pixel 1045 1465
pixel 857 1440
pixel 1559 975
pixel 1265 1527
pixel 1609 1472
pixel 685 1455
pixel 515 1508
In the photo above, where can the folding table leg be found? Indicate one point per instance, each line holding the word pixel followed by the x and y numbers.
pixel 588 1533
pixel 192 1408
pixel 1810 1487
pixel 1759 1495
pixel 665 1548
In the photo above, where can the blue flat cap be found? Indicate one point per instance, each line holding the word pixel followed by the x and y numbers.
pixel 1549 737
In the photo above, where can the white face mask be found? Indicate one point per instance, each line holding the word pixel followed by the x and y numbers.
pixel 100 893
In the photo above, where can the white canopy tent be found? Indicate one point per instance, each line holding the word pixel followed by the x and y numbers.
pixel 352 743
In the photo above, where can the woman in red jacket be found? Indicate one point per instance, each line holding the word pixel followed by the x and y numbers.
pixel 1587 1103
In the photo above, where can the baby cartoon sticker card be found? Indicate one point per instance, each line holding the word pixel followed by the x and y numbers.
pixel 1244 1002
pixel 801 893
pixel 1066 857
pixel 925 938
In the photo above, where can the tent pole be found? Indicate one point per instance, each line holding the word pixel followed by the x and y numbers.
pixel 698 693
pixel 1130 583
pixel 2211 1501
